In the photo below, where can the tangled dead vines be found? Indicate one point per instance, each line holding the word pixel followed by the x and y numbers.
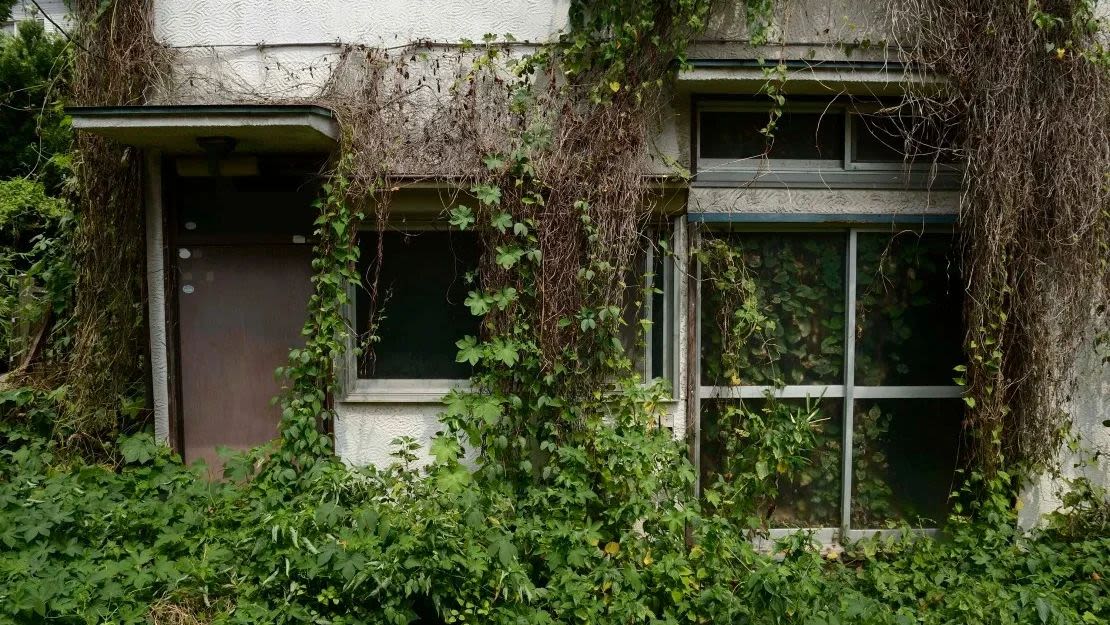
pixel 1033 102
pixel 117 62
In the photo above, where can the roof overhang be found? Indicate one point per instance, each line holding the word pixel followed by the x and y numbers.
pixel 175 129
pixel 864 78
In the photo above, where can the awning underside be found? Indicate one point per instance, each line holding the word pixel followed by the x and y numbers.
pixel 176 129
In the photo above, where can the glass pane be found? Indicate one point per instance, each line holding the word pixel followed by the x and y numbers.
pixel 909 305
pixel 891 138
pixel 782 456
pixel 421 293
pixel 904 460
pixel 737 135
pixel 659 328
pixel 772 309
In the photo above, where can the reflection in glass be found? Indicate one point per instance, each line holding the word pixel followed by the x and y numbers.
pixel 779 459
pixel 904 460
pixel 773 309
pixel 909 306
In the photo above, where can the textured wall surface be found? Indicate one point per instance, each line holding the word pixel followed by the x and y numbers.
pixel 820 201
pixel 1088 404
pixel 364 431
pixel 374 22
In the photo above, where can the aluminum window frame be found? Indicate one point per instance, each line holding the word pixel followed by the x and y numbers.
pixel 847 391
pixel 661 230
pixel 852 115
pixel 845 172
pixel 761 166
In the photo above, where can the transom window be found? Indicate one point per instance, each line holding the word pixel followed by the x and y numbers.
pixel 856 330
pixel 823 144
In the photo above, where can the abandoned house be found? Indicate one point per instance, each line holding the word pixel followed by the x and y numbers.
pixel 851 240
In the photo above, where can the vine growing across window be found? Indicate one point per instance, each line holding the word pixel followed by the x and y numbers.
pixel 827 369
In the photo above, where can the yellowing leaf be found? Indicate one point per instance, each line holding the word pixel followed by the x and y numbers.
pixel 615 86
pixel 612 548
pixel 648 560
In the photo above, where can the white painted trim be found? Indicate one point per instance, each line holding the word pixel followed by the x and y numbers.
pixel 400 391
pixel 329 128
pixel 156 297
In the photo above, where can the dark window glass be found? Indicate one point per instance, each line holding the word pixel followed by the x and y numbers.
pixel 646 283
pixel 909 310
pixel 773 309
pixel 659 330
pixel 422 290
pixel 741 442
pixel 898 138
pixel 904 460
pixel 737 135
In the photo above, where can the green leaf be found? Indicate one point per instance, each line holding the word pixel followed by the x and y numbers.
pixel 502 222
pixel 461 217
pixel 487 194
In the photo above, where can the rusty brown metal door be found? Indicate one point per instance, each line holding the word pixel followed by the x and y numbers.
pixel 241 309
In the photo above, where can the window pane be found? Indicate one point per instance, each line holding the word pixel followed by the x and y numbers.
pixel 660 331
pixel 904 460
pixel 773 309
pixel 909 303
pixel 742 440
pixel 890 138
pixel 736 135
pixel 421 293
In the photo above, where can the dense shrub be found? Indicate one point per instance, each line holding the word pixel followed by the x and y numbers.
pixel 150 540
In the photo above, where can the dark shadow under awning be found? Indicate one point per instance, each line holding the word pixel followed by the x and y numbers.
pixel 175 129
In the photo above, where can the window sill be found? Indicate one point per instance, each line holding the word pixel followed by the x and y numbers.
pixel 832 178
pixel 401 391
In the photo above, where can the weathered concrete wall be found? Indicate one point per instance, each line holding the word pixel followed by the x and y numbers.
pixel 1087 401
pixel 229 50
pixel 804 29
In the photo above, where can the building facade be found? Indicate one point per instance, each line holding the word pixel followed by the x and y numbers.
pixel 851 242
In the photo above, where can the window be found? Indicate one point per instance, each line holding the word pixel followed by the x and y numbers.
pixel 861 331
pixel 651 298
pixel 823 145
pixel 425 277
pixel 419 315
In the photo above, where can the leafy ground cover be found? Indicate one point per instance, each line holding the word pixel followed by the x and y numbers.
pixel 149 540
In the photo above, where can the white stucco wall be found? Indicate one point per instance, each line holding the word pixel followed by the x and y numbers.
pixel 374 22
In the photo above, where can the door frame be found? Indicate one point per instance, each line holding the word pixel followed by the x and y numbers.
pixel 171 200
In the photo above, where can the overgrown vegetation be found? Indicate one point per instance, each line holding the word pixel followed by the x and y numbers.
pixel 579 507
pixel 1030 99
